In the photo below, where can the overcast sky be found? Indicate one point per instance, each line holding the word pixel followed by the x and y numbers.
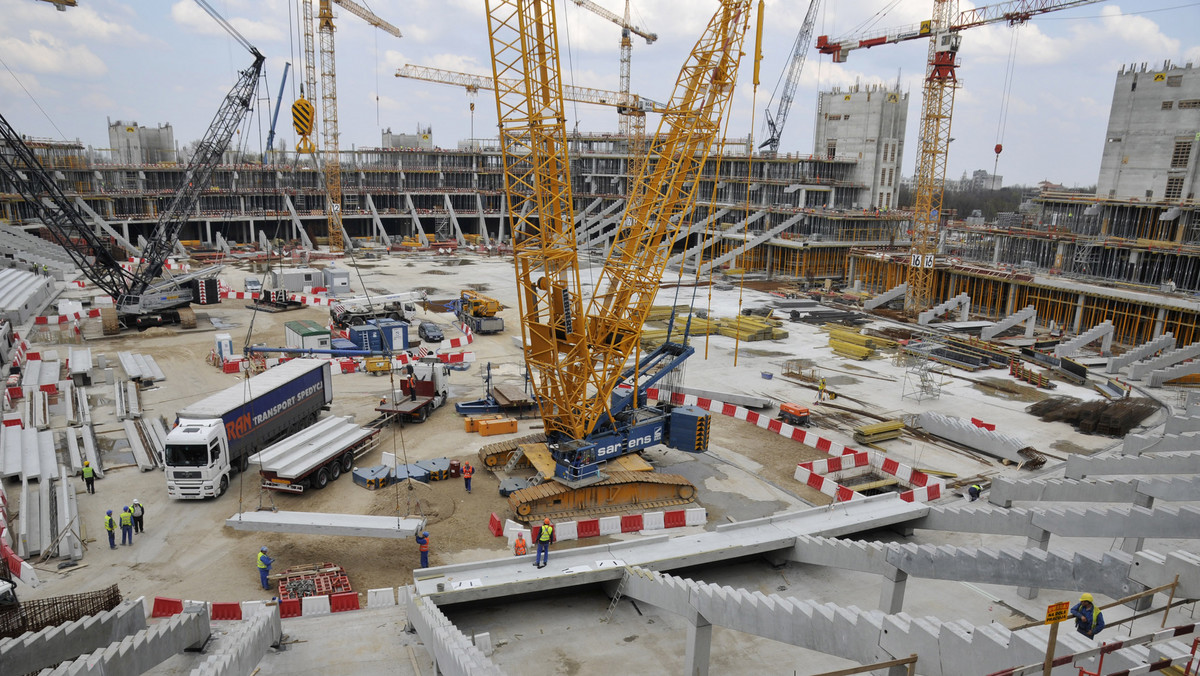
pixel 165 61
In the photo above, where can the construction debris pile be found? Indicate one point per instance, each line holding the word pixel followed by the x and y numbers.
pixel 1110 418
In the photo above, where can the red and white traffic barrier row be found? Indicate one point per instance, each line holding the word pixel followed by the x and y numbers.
pixel 605 525
pixel 922 487
pixel 63 319
pixel 457 358
pixel 240 295
pixel 312 300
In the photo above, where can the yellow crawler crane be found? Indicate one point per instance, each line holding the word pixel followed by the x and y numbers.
pixel 580 358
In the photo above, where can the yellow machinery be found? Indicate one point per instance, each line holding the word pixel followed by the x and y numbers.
pixel 937 106
pixel 478 304
pixel 580 355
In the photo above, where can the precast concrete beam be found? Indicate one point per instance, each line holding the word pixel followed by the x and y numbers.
pixel 859 555
pixel 1136 444
pixel 1153 569
pixel 1142 351
pixel 1006 490
pixel 146 649
pixel 976 518
pixel 315 523
pixel 245 646
pixel 50 646
pixel 1183 462
pixel 1164 521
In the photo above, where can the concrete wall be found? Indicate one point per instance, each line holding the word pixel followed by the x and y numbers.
pixel 865 124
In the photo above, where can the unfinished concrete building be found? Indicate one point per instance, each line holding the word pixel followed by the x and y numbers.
pixel 865 124
pixel 132 143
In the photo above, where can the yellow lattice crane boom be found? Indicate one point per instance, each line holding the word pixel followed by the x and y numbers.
pixel 937 107
pixel 579 357
pixel 331 164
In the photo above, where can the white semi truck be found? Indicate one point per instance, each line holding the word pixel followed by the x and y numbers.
pixel 216 435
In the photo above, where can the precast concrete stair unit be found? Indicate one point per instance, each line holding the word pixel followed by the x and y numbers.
pixel 961 302
pixel 752 241
pixel 888 296
pixel 1103 522
pixel 1147 349
pixel 45 648
pixel 1180 462
pixel 993 443
pixel 1006 490
pixel 1139 370
pixel 1028 314
pixel 146 649
pixel 864 636
pixel 1102 331
pixel 1162 376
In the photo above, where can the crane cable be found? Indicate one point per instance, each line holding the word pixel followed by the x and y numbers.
pixel 1005 97
pixel 737 340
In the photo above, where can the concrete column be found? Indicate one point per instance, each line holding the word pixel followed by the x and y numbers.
pixel 699 646
pixel 208 231
pixel 1060 256
pixel 1039 539
pixel 1010 305
pixel 996 252
pixel 1160 320
pixel 891 591
pixel 851 271
pixel 1077 325
pixel 1132 545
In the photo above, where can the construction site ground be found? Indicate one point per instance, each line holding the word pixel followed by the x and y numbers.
pixel 187 552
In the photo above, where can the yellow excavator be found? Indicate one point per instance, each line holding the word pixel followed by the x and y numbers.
pixel 591 384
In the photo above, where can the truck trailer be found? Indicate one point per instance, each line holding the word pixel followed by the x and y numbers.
pixel 432 389
pixel 217 434
pixel 314 456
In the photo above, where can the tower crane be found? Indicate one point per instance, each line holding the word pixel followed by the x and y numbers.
pixel 937 106
pixel 475 83
pixel 631 121
pixel 331 167
pixel 140 301
pixel 593 403
pixel 791 80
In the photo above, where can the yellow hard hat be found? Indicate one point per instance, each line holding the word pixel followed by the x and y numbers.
pixel 1085 597
pixel 86 463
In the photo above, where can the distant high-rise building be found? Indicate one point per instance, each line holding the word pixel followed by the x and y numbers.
pixel 982 180
pixel 865 124
pixel 423 139
pixel 1153 139
pixel 141 145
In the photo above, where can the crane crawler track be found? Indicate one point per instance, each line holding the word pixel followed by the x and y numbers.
pixel 494 456
pixel 620 492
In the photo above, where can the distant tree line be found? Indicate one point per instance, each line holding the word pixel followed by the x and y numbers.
pixel 990 202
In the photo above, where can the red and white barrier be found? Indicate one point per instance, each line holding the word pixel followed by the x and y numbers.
pixel 63 319
pixel 240 295
pixel 610 525
pixel 457 358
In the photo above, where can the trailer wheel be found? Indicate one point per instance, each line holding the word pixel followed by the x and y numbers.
pixel 348 461
pixel 243 462
pixel 223 487
pixel 335 470
pixel 422 414
pixel 321 480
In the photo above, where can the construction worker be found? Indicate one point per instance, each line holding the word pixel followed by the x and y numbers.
pixel 821 390
pixel 412 385
pixel 264 566
pixel 544 537
pixel 467 471
pixel 89 476
pixel 1089 621
pixel 382 402
pixel 126 527
pixel 423 544
pixel 139 515
pixel 111 527
pixel 973 491
pixel 519 545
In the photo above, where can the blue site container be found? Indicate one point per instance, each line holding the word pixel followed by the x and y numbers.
pixel 393 332
pixel 342 344
pixel 367 337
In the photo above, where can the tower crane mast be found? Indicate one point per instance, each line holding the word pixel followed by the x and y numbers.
pixel 791 80
pixel 581 357
pixel 937 108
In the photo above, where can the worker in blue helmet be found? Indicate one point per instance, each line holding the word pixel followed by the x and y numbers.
pixel 423 545
pixel 264 566
pixel 110 525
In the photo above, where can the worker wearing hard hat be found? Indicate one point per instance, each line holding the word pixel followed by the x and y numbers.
pixel 264 566
pixel 139 516
pixel 519 546
pixel 1089 621
pixel 126 527
pixel 111 527
pixel 89 476
pixel 423 545
pixel 545 535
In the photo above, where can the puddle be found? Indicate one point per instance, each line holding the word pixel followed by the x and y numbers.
pixel 220 323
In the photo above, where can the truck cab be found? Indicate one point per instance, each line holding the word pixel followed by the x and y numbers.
pixel 197 460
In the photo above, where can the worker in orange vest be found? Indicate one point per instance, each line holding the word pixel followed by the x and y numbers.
pixel 423 543
pixel 412 386
pixel 519 546
pixel 467 471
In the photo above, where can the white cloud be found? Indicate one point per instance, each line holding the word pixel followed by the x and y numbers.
pixel 81 23
pixel 1134 30
pixel 30 81
pixel 191 16
pixel 47 54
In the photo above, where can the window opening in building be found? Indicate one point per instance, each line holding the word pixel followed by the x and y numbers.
pixel 1167 105
pixel 1174 80
pixel 1189 104
pixel 1174 188
pixel 1179 156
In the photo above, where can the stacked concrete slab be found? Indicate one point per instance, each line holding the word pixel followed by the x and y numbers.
pixel 997 444
pixel 1102 332
pixel 146 649
pixel 38 650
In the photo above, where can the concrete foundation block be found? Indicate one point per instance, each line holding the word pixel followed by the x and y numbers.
pixel 381 598
pixel 314 605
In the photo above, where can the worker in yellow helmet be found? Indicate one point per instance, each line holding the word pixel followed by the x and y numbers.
pixel 1089 621
pixel 89 476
